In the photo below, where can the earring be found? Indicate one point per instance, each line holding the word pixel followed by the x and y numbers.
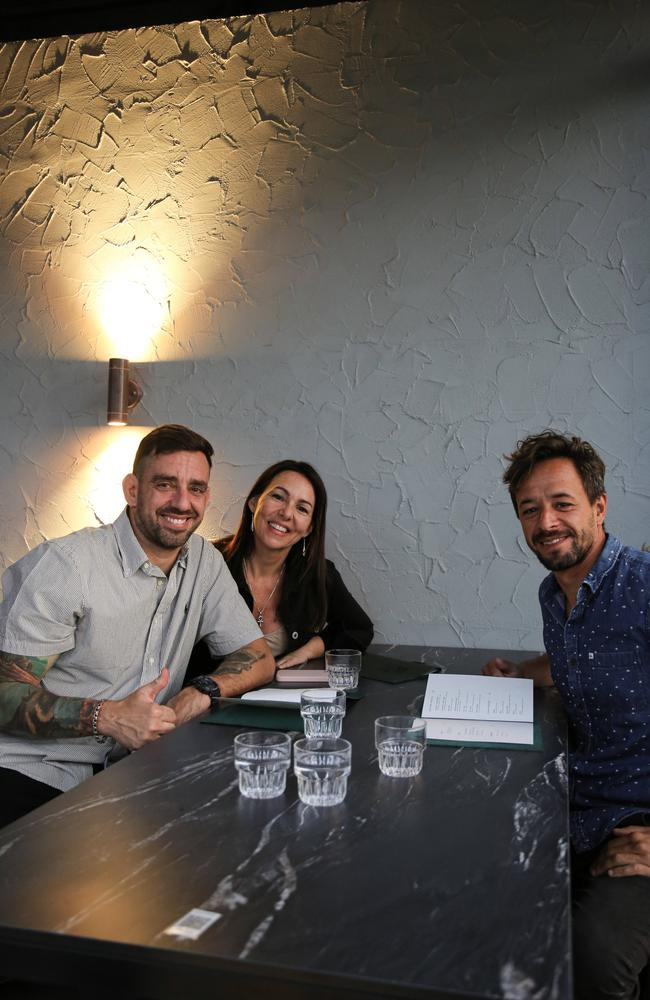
pixel 304 548
pixel 252 524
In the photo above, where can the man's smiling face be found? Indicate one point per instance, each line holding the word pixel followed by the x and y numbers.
pixel 561 525
pixel 167 500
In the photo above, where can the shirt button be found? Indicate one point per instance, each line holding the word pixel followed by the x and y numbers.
pixel 294 635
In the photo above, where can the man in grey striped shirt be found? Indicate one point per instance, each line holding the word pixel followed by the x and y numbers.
pixel 96 629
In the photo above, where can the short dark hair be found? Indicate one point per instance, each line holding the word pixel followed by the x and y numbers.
pixel 538 448
pixel 167 438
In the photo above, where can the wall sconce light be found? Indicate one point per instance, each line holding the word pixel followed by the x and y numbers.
pixel 124 393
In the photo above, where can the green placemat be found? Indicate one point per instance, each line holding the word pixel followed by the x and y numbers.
pixel 537 743
pixel 353 695
pixel 257 717
pixel 284 720
pixel 385 668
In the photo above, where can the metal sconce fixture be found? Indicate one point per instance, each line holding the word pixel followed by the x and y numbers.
pixel 124 393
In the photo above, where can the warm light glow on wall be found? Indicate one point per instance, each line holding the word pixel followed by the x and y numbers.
pixel 109 469
pixel 132 304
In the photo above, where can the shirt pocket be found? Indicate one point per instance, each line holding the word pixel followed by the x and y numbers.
pixel 620 679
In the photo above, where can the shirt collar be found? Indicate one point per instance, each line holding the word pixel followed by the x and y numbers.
pixel 603 564
pixel 133 555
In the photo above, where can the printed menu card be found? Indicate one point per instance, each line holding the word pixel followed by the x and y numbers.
pixel 475 709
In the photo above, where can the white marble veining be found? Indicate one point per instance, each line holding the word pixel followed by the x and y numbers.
pixel 407 881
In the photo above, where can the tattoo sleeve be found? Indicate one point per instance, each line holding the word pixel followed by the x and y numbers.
pixel 28 709
pixel 239 662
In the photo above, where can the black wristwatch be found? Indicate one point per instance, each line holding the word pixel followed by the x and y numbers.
pixel 208 685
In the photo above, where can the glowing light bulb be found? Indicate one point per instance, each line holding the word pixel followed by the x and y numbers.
pixel 132 305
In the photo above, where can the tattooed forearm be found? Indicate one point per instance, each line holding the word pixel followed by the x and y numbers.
pixel 239 662
pixel 44 715
pixel 28 709
pixel 23 669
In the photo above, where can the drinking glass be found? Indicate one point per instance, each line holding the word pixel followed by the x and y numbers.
pixel 322 711
pixel 322 766
pixel 262 760
pixel 400 742
pixel 343 667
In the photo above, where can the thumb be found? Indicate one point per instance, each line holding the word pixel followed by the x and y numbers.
pixel 159 684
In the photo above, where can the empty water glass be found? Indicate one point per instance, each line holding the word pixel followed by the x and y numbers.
pixel 262 760
pixel 322 766
pixel 343 667
pixel 400 742
pixel 322 711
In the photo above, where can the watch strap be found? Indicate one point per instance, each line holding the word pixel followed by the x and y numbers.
pixel 207 685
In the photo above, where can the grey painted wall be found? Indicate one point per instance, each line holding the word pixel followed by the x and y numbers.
pixel 392 238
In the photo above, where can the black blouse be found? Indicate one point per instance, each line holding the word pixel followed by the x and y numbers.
pixel 347 625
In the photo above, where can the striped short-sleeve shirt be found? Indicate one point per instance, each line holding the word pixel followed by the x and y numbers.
pixel 114 620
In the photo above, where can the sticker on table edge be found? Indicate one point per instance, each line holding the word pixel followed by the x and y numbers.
pixel 192 924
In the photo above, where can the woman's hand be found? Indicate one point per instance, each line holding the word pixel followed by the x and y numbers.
pixel 310 651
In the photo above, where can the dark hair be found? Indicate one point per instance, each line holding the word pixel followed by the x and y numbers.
pixel 167 438
pixel 538 448
pixel 305 575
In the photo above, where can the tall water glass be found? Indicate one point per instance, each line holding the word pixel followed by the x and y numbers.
pixel 322 766
pixel 400 742
pixel 262 760
pixel 322 711
pixel 343 667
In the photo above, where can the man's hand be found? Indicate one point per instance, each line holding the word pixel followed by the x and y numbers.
pixel 501 668
pixel 626 853
pixel 247 668
pixel 138 719
pixel 188 704
pixel 538 669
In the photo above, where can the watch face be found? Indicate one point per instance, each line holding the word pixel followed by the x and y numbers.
pixel 207 686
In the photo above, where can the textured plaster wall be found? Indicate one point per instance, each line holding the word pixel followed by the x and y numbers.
pixel 393 238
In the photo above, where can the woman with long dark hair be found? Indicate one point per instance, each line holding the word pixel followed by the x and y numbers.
pixel 277 558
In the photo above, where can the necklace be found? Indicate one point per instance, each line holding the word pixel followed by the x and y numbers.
pixel 262 609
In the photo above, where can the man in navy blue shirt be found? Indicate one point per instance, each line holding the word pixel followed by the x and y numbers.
pixel 596 612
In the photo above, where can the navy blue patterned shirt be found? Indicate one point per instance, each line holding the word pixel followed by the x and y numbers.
pixel 600 662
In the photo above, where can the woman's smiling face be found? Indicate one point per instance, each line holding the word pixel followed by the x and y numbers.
pixel 283 513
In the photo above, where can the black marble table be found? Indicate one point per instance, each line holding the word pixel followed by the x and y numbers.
pixel 453 884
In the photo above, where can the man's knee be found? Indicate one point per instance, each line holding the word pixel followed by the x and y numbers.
pixel 610 948
pixel 600 970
